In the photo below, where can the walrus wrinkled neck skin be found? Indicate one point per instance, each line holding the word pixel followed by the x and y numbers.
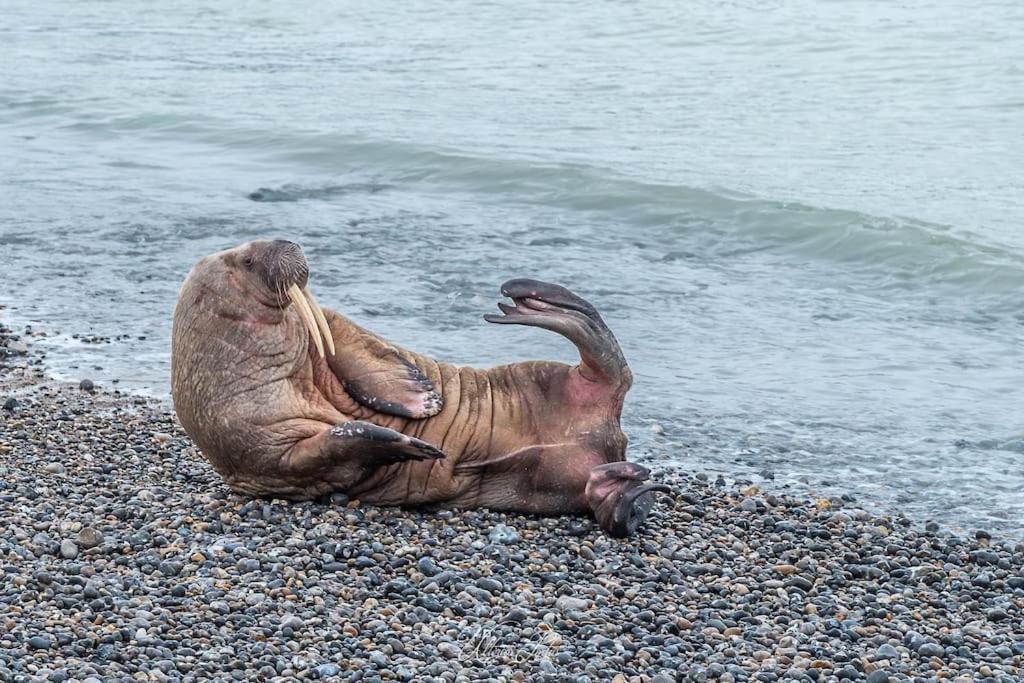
pixel 287 399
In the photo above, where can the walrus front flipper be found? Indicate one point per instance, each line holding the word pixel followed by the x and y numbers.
pixel 376 444
pixel 345 453
pixel 555 308
pixel 379 375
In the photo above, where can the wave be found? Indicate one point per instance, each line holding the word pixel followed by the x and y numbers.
pixel 901 252
pixel 293 193
pixel 897 253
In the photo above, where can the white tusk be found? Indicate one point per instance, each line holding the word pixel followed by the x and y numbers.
pixel 318 313
pixel 307 316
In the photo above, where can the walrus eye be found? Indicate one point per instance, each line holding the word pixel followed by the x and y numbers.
pixel 248 261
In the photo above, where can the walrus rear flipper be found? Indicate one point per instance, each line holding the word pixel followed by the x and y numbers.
pixel 555 308
pixel 619 496
pixel 377 374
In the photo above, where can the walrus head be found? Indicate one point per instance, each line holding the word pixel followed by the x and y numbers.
pixel 273 274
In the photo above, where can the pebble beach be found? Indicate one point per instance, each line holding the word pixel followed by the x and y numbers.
pixel 124 557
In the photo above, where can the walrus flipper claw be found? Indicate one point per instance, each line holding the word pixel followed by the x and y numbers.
pixel 380 375
pixel 402 391
pixel 380 445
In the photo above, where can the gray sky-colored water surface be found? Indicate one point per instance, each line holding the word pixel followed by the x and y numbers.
pixel 803 220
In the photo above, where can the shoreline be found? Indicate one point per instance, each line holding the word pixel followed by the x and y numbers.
pixel 124 553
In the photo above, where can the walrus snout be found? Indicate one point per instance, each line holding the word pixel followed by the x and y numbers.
pixel 287 265
pixel 282 266
pixel 278 264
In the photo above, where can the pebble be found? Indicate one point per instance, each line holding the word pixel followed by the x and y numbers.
pixel 54 468
pixel 886 651
pixel 567 602
pixel 293 622
pixel 489 585
pixel 328 670
pixel 89 537
pixel 427 566
pixel 931 650
pixel 503 534
pixel 175 577
pixel 247 565
pixel 87 385
pixel 40 642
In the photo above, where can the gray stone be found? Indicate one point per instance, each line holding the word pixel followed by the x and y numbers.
pixel 327 670
pixel 566 602
pixel 887 651
pixel 503 534
pixel 40 642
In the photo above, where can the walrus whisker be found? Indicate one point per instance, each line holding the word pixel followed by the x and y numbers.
pixel 302 307
pixel 321 321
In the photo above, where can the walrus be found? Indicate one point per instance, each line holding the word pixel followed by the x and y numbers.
pixel 291 400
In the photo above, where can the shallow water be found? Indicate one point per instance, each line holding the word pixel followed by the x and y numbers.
pixel 802 221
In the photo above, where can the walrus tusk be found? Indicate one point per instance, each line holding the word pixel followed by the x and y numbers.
pixel 321 321
pixel 302 306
